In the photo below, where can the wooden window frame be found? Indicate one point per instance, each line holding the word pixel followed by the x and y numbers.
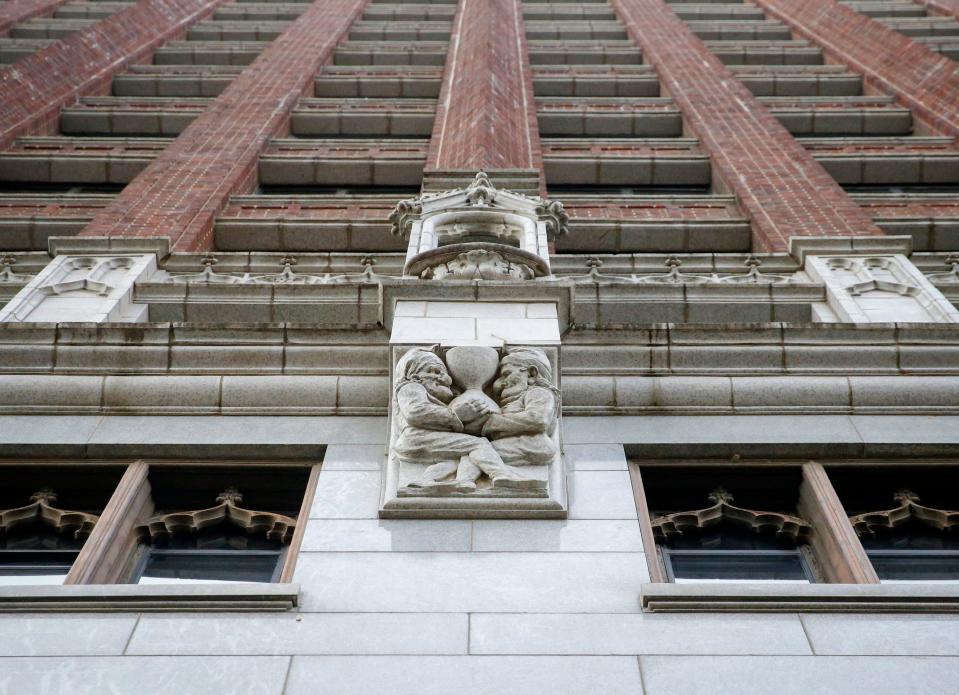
pixel 837 555
pixel 112 552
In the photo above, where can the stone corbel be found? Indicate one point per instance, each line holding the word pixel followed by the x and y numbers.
pixel 908 509
pixel 276 526
pixel 722 510
pixel 41 509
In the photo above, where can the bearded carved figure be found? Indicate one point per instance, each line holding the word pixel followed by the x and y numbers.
pixel 479 424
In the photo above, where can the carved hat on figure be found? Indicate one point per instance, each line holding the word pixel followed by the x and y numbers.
pixel 526 358
pixel 413 366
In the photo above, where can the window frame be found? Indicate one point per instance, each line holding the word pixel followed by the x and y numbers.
pixel 112 553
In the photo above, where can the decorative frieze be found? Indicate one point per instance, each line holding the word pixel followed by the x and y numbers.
pixel 674 276
pixel 908 509
pixel 83 288
pixel 41 509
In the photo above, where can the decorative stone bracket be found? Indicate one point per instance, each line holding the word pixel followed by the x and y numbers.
pixel 478 232
pixel 276 526
pixel 722 510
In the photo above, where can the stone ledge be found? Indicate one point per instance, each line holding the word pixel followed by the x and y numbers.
pixel 134 598
pixel 792 598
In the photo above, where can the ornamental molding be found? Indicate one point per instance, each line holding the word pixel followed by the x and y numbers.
pixel 286 276
pixel 276 526
pixel 478 216
pixel 908 509
pixel 41 509
pixel 673 276
pixel 722 510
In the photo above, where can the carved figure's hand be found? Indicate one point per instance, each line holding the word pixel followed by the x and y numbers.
pixel 471 409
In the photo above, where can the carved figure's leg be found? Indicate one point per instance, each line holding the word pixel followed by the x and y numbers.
pixel 434 473
pixel 466 475
pixel 488 460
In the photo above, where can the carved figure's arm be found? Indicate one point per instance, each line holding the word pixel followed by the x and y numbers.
pixel 421 412
pixel 535 418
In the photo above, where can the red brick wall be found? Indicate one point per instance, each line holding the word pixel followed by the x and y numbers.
pixel 181 192
pixel 36 87
pixel 780 187
pixel 486 117
pixel 14 11
pixel 925 81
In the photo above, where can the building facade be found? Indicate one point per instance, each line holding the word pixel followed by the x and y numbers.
pixel 488 346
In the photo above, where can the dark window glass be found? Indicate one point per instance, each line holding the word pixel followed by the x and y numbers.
pixel 33 552
pixel 730 553
pixel 745 566
pixel 221 553
pixel 913 552
pixel 198 565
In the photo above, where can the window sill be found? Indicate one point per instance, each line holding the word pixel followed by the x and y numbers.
pixel 155 597
pixel 792 598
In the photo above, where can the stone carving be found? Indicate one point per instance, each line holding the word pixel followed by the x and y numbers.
pixel 276 526
pixel 884 288
pixel 722 509
pixel 477 264
pixel 41 509
pixel 287 276
pixel 908 509
pixel 7 276
pixel 515 226
pixel 83 288
pixel 474 424
pixel 674 276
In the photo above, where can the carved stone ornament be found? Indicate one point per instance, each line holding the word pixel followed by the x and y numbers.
pixel 475 432
pixel 908 509
pixel 518 227
pixel 276 526
pixel 79 524
pixel 722 510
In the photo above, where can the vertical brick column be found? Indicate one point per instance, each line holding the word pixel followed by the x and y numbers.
pixel 921 79
pixel 15 11
pixel 183 189
pixel 782 189
pixel 35 87
pixel 486 116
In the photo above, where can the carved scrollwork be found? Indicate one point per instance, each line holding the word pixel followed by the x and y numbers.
pixel 782 525
pixel 41 509
pixel 276 526
pixel 908 509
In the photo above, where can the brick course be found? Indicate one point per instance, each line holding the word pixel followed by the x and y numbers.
pixel 891 62
pixel 782 189
pixel 486 116
pixel 941 7
pixel 181 192
pixel 36 87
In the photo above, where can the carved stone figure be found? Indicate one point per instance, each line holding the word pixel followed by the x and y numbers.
pixel 431 428
pixel 475 431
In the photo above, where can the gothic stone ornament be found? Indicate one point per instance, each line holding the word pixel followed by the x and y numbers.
pixel 41 509
pixel 475 433
pixel 909 509
pixel 516 227
pixel 228 511
pixel 722 509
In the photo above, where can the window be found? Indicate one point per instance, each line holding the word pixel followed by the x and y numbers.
pixel 704 533
pixel 151 522
pixel 903 518
pixel 840 522
pixel 47 512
